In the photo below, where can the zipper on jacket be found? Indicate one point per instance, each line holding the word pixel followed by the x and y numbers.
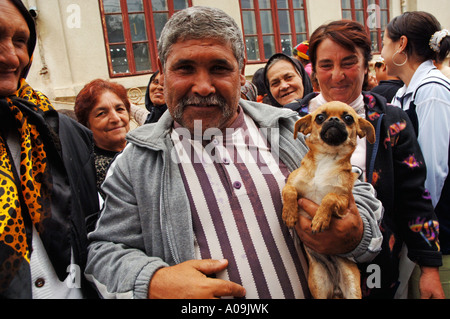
pixel 375 150
pixel 164 214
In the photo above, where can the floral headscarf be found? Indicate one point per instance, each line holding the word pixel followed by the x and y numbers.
pixel 25 187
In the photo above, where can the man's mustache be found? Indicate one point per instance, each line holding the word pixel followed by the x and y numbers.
pixel 203 101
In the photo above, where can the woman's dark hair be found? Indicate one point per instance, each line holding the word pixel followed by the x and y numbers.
pixel 258 81
pixel 89 97
pixel 419 27
pixel 346 33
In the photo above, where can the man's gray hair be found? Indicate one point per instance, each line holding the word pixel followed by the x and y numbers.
pixel 201 23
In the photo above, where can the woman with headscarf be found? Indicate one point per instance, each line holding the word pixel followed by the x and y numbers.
pixel 47 178
pixel 286 80
pixel 154 99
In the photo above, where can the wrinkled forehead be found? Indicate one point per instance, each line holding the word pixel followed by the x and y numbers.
pixel 11 14
pixel 15 11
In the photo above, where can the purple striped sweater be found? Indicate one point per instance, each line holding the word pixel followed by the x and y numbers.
pixel 234 184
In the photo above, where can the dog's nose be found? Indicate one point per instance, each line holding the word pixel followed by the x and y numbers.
pixel 333 119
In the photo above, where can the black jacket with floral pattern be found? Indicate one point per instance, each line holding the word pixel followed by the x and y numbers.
pixel 396 168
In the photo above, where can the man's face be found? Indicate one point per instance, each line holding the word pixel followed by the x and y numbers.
pixel 202 81
pixel 14 36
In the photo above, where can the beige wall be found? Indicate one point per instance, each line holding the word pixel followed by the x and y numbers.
pixel 72 54
pixel 440 9
pixel 322 11
pixel 71 51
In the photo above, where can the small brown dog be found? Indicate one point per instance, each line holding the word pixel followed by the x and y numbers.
pixel 325 177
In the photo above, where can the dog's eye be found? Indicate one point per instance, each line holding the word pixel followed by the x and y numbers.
pixel 348 119
pixel 320 118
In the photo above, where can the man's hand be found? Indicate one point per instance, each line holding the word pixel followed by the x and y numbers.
pixel 343 235
pixel 430 284
pixel 189 280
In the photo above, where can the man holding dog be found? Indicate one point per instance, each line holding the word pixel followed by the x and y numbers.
pixel 193 204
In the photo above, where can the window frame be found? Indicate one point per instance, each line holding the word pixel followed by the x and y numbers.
pixel 379 30
pixel 128 41
pixel 276 27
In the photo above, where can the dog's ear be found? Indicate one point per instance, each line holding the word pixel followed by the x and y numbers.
pixel 303 125
pixel 366 129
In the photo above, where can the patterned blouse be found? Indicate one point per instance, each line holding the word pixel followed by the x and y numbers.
pixel 102 160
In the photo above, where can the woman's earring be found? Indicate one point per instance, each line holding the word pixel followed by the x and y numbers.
pixel 399 64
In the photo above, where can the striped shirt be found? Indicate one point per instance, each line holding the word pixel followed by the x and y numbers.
pixel 234 185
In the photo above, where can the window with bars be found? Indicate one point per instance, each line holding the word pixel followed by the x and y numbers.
pixel 132 29
pixel 373 14
pixel 272 26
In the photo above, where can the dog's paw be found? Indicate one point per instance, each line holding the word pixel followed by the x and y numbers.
pixel 290 222
pixel 290 218
pixel 320 222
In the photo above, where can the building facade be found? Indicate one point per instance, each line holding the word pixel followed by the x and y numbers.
pixel 81 40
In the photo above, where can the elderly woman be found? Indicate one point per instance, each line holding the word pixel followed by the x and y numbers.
pixel 286 80
pixel 340 53
pixel 412 42
pixel 47 178
pixel 104 108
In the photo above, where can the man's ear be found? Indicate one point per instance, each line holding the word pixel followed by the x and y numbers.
pixel 161 77
pixel 303 125
pixel 365 128
pixel 243 78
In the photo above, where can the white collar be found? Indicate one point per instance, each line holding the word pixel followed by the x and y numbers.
pixel 417 78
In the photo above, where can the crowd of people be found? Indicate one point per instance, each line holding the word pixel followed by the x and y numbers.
pixel 188 205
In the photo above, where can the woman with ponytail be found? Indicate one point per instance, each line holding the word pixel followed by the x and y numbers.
pixel 411 43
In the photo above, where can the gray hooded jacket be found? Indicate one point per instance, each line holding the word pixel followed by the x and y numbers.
pixel 146 220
